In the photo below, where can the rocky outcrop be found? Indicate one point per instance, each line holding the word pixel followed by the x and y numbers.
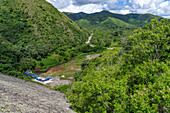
pixel 21 96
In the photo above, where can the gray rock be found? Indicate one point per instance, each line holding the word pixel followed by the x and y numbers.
pixel 19 96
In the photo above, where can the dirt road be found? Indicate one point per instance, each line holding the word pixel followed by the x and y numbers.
pixel 19 96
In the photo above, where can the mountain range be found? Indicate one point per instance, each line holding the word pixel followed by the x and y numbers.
pixel 106 19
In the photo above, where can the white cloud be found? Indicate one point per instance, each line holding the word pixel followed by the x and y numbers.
pixel 125 11
pixel 157 7
pixel 60 3
pixel 89 8
pixel 144 4
pixel 164 4
pixel 111 5
pixel 164 9
pixel 84 2
pixel 127 7
pixel 166 16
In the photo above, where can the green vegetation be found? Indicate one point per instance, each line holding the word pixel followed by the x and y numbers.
pixel 62 55
pixel 134 79
pixel 109 23
pixel 31 30
pixel 51 60
pixel 111 20
pixel 110 29
pixel 131 77
pixel 84 23
pixel 110 38
pixel 62 88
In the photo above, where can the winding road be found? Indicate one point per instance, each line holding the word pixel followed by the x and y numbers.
pixel 88 42
pixel 19 96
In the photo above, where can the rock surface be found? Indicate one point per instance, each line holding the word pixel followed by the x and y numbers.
pixel 92 56
pixel 58 82
pixel 20 96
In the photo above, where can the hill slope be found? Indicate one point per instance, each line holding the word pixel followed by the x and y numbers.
pixel 30 30
pixel 113 22
pixel 108 23
pixel 133 19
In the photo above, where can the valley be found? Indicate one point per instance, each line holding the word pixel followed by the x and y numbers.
pixel 63 74
pixel 100 62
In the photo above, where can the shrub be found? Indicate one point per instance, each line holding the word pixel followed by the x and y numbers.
pixel 135 81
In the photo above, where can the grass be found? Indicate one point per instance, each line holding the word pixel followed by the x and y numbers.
pixel 48 62
pixel 62 88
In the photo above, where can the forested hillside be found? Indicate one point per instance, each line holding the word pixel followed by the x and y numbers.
pixel 31 30
pixel 134 79
pixel 129 72
pixel 109 23
pixel 111 29
pixel 117 20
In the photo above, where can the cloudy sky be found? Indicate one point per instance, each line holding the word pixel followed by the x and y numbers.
pixel 157 7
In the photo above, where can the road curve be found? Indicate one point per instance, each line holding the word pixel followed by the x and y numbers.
pixel 88 42
pixel 19 96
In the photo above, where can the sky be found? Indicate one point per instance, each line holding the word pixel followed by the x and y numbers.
pixel 157 7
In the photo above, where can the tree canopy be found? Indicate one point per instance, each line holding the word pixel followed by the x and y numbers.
pixel 134 79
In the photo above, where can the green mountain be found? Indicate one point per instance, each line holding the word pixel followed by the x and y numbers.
pixel 112 22
pixel 84 23
pixel 31 30
pixel 137 20
pixel 108 23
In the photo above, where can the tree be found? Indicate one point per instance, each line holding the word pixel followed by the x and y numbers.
pixel 134 81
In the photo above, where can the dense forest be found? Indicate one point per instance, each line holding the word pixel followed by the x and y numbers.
pixel 110 29
pixel 132 76
pixel 107 20
pixel 110 38
pixel 31 30
pixel 132 79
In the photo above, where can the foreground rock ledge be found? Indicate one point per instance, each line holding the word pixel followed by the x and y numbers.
pixel 21 96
